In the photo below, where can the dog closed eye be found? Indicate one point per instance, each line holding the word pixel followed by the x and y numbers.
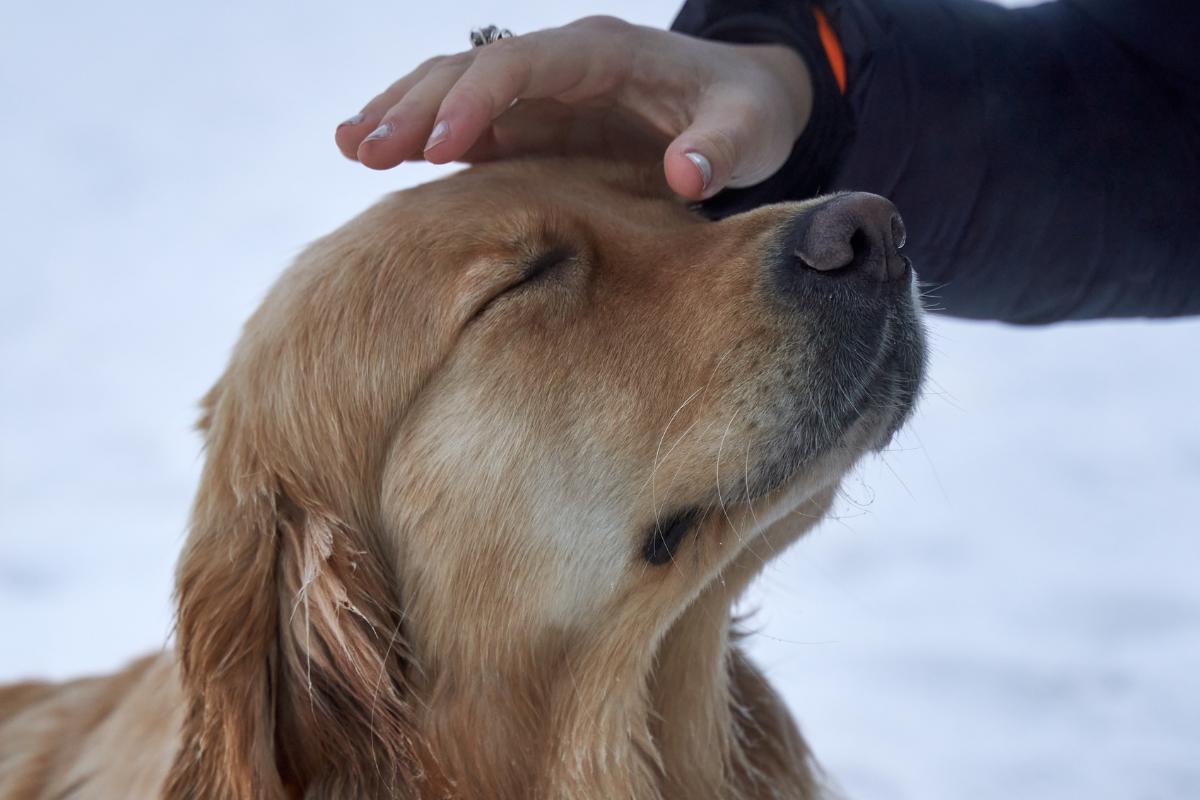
pixel 534 271
pixel 544 265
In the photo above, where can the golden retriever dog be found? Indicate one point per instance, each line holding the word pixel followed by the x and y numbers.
pixel 484 477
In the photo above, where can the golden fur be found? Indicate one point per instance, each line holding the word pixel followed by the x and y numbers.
pixel 413 568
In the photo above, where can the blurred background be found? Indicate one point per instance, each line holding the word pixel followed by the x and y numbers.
pixel 1006 606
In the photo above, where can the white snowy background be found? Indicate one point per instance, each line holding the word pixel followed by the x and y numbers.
pixel 1007 607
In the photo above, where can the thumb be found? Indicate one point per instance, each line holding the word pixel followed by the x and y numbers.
pixel 724 138
pixel 702 159
pixel 729 143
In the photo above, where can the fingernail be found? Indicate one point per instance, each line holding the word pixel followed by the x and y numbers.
pixel 382 132
pixel 357 118
pixel 439 134
pixel 701 164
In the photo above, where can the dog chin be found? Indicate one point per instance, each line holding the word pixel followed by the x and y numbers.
pixel 819 474
pixel 791 478
pixel 887 406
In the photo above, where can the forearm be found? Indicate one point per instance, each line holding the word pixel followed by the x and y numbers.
pixel 1045 170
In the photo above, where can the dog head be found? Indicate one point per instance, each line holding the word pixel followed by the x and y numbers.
pixel 480 450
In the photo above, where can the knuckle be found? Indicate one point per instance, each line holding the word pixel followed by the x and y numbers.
pixel 500 73
pixel 724 149
pixel 602 23
pixel 494 56
pixel 431 63
pixel 447 62
pixel 506 58
pixel 468 94
pixel 384 100
pixel 503 47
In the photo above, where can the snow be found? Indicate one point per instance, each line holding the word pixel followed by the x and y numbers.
pixel 1007 606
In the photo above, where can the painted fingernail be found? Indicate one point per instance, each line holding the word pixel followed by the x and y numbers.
pixel 439 134
pixel 701 164
pixel 357 118
pixel 382 132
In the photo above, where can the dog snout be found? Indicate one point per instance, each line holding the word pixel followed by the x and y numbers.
pixel 856 234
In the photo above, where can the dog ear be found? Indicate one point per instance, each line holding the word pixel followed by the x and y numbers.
pixel 288 633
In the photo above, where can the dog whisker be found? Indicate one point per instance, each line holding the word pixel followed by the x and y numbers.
pixel 721 500
pixel 658 451
pixel 750 500
pixel 702 392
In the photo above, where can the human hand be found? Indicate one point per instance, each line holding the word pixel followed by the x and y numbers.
pixel 730 113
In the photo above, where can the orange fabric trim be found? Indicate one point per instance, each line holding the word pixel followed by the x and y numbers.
pixel 833 48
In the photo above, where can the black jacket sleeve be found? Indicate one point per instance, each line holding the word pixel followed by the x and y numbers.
pixel 1046 159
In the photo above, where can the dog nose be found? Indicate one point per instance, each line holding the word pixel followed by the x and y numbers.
pixel 856 232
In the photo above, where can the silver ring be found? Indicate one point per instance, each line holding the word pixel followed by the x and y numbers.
pixel 488 34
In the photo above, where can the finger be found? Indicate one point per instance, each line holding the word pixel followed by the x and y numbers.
pixel 530 126
pixel 405 127
pixel 548 127
pixel 716 149
pixel 698 166
pixel 557 64
pixel 351 132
